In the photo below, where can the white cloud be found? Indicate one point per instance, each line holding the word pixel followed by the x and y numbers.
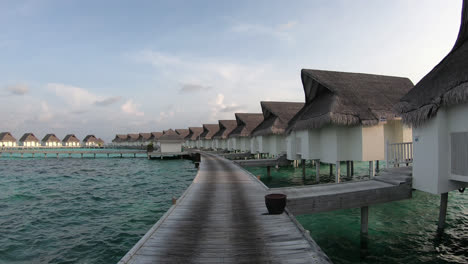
pixel 79 98
pixel 18 89
pixel 281 31
pixel 45 114
pixel 131 108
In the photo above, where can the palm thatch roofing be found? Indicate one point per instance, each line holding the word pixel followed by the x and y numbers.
pixel 144 136
pixel 209 130
pixel 119 138
pixel 445 85
pixel 100 141
pixel 276 116
pixel 70 138
pixel 225 128
pixel 132 137
pixel 246 123
pixel 7 137
pixel 348 99
pixel 29 137
pixel 51 138
pixel 182 132
pixel 90 139
pixel 156 135
pixel 194 133
pixel 171 136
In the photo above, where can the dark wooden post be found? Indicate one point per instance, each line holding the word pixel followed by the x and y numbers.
pixel 331 169
pixel 317 170
pixel 352 168
pixel 303 164
pixel 442 211
pixel 268 171
pixel 364 220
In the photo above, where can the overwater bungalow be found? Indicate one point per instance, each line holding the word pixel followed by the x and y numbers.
pixel 206 137
pixel 171 141
pixel 145 138
pixel 132 140
pixel 270 136
pixel 225 128
pixel 182 132
pixel 51 141
pixel 346 117
pixel 239 138
pixel 155 137
pixel 191 140
pixel 29 140
pixel 7 140
pixel 119 139
pixel 100 142
pixel 71 141
pixel 90 141
pixel 437 109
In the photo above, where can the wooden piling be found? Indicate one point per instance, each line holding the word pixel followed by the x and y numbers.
pixel 352 168
pixel 268 171
pixel 338 172
pixel 377 166
pixel 371 169
pixel 303 164
pixel 364 220
pixel 442 211
pixel 348 168
pixel 317 170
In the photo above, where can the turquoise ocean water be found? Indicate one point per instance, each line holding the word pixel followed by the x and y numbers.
pixel 399 232
pixel 83 210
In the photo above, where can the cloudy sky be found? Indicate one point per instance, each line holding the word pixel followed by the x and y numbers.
pixel 111 66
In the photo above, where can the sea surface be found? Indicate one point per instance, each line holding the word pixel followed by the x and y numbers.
pixel 399 232
pixel 73 210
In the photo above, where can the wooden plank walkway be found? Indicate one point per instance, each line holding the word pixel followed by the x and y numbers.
pixel 222 218
pixel 280 161
pixel 69 153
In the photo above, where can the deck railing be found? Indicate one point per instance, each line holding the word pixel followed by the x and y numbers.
pixel 398 153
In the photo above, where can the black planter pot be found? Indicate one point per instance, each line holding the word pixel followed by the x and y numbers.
pixel 275 203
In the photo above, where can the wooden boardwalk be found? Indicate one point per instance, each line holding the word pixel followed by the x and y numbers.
pixel 222 218
pixel 69 153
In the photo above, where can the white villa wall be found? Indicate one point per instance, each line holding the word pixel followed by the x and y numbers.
pixel 432 151
pixel 29 144
pixel 256 144
pixel 7 144
pixel 171 147
pixel 244 144
pixel 373 142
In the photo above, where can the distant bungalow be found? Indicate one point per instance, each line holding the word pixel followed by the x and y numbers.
pixel 51 140
pixel 347 117
pixel 132 140
pixel 225 128
pixel 206 137
pixel 7 140
pixel 171 142
pixel 100 142
pixel 437 108
pixel 29 140
pixel 119 139
pixel 145 138
pixel 182 132
pixel 270 136
pixel 155 137
pixel 239 138
pixel 191 140
pixel 71 141
pixel 90 141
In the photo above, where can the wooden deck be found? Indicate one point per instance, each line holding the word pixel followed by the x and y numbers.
pixel 83 153
pixel 280 161
pixel 222 218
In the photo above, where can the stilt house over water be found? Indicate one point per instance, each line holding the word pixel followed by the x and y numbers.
pixel 145 138
pixel 171 142
pixel 225 128
pixel 239 138
pixel 71 141
pixel 132 140
pixel 100 142
pixel 437 108
pixel 206 137
pixel 119 139
pixel 155 137
pixel 182 132
pixel 7 140
pixel 90 141
pixel 29 140
pixel 346 117
pixel 191 140
pixel 51 141
pixel 270 136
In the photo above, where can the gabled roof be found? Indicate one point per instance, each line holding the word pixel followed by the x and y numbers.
pixel 182 132
pixel 156 135
pixel 170 135
pixel 29 137
pixel 225 128
pixel 445 85
pixel 194 133
pixel 209 130
pixel 90 138
pixel 51 138
pixel 132 137
pixel 119 138
pixel 246 123
pixel 345 98
pixel 70 138
pixel 100 141
pixel 144 136
pixel 276 116
pixel 7 137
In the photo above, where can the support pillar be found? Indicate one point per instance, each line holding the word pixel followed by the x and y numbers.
pixel 331 169
pixel 338 172
pixel 377 166
pixel 371 169
pixel 352 168
pixel 134 155
pixel 317 170
pixel 120 155
pixel 303 164
pixel 348 168
pixel 442 211
pixel 81 155
pixel 268 171
pixel 364 220
pixel 57 155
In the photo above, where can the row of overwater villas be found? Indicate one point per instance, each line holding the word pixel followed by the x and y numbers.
pixel 29 140
pixel 352 116
pixel 168 141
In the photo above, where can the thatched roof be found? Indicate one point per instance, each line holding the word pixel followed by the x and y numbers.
pixel 90 138
pixel 194 133
pixel 209 130
pixel 182 132
pixel 156 135
pixel 100 141
pixel 7 137
pixel 445 85
pixel 225 128
pixel 170 136
pixel 144 136
pixel 29 137
pixel 51 138
pixel 344 98
pixel 276 116
pixel 132 137
pixel 246 123
pixel 119 138
pixel 70 138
